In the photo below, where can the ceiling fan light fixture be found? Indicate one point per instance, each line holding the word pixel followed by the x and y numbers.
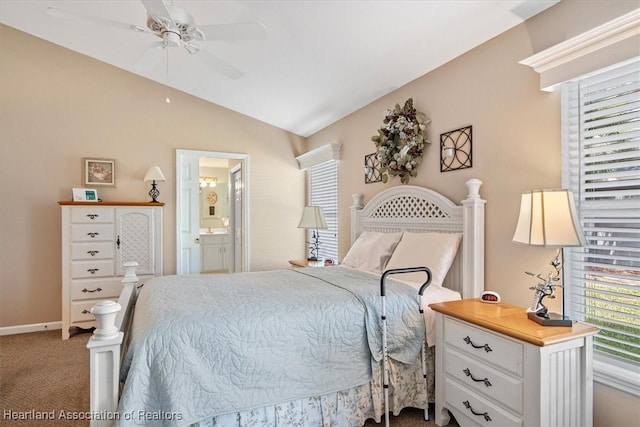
pixel 171 38
pixel 173 27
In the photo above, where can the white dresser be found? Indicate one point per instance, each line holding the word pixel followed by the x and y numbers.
pixel 495 367
pixel 97 238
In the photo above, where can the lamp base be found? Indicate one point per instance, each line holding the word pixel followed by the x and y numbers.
pixel 551 319
pixel 154 193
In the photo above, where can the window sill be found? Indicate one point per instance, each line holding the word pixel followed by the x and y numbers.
pixel 616 374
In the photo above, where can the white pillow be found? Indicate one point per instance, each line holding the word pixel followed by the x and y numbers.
pixel 433 250
pixel 371 251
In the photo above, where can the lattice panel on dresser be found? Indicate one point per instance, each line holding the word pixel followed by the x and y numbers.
pixel 409 207
pixel 135 231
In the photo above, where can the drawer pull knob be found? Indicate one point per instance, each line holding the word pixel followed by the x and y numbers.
pixel 480 414
pixel 92 216
pixel 486 381
pixel 85 311
pixel 93 234
pixel 93 270
pixel 485 346
pixel 93 253
pixel 85 290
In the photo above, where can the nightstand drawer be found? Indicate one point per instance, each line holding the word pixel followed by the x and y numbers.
pixel 476 408
pixel 495 385
pixel 484 345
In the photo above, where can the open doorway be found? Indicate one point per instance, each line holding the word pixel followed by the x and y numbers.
pixel 211 212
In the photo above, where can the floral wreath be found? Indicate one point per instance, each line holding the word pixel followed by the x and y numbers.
pixel 400 141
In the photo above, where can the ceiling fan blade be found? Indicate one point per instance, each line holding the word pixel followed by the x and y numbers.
pixel 236 31
pixel 73 16
pixel 157 8
pixel 150 57
pixel 217 63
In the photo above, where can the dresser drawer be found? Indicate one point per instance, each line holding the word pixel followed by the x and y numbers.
pixel 92 250
pixel 476 408
pixel 484 345
pixel 109 288
pixel 92 232
pixel 90 214
pixel 88 269
pixel 499 387
pixel 81 312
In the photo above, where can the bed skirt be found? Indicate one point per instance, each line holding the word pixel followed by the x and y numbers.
pixel 347 408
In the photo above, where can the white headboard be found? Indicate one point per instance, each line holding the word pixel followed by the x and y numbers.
pixel 419 209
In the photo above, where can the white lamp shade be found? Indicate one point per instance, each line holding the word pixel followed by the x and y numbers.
pixel 548 218
pixel 312 217
pixel 154 174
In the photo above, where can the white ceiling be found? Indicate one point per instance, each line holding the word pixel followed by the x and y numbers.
pixel 322 60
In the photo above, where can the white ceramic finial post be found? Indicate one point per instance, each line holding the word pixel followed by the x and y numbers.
pixel 473 187
pixel 105 313
pixel 358 201
pixel 129 272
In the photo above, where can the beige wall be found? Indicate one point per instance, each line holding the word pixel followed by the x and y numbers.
pixel 57 106
pixel 516 147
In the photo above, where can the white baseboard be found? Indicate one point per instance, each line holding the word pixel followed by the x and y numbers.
pixel 36 327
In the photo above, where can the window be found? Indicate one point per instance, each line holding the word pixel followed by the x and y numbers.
pixel 601 165
pixel 323 192
pixel 322 189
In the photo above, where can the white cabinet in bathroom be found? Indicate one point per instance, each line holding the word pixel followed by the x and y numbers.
pixel 215 252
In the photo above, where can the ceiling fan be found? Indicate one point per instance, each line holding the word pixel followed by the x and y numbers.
pixel 176 27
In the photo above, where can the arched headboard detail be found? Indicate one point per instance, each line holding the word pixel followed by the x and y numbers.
pixel 419 209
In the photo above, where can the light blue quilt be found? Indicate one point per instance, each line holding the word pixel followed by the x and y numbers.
pixel 206 345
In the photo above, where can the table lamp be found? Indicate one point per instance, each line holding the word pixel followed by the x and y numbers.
pixel 154 174
pixel 313 219
pixel 548 219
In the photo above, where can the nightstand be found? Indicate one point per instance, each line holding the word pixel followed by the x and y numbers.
pixel 494 366
pixel 299 263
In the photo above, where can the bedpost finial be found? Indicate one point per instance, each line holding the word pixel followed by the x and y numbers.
pixel 105 313
pixel 129 271
pixel 358 201
pixel 473 187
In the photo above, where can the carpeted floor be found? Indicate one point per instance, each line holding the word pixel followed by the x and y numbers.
pixel 42 376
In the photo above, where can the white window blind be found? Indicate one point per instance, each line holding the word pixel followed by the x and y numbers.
pixel 601 166
pixel 323 192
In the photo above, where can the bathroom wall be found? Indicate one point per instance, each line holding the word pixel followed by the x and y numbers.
pixel 214 215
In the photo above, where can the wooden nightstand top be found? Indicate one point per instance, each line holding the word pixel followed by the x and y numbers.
pixel 299 262
pixel 512 321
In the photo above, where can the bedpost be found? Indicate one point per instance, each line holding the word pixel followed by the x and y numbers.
pixel 104 355
pixel 473 241
pixel 105 350
pixel 358 205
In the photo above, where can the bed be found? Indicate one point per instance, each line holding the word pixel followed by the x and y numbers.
pixel 290 347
